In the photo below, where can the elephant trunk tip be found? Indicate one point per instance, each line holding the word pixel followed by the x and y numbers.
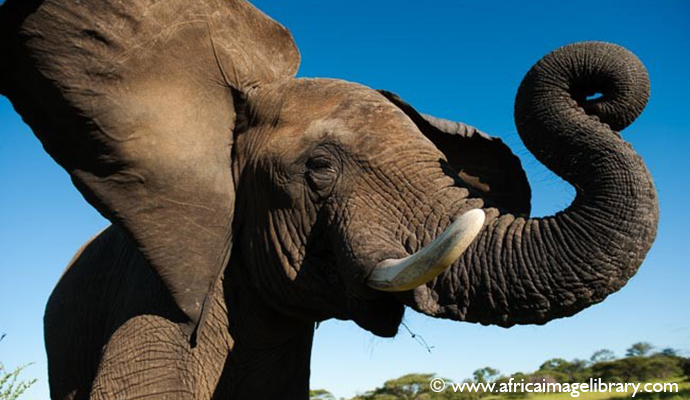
pixel 556 115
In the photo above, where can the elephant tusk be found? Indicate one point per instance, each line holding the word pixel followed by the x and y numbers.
pixel 407 273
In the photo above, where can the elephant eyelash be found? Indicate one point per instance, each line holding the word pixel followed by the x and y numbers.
pixel 320 164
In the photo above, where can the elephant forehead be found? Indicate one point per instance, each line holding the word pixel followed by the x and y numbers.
pixel 293 140
pixel 350 122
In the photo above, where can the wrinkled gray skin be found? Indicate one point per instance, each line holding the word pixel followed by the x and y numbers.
pixel 247 204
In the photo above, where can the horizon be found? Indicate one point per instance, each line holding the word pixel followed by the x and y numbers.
pixel 448 63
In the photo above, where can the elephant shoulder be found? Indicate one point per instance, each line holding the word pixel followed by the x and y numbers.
pixel 108 275
pixel 110 241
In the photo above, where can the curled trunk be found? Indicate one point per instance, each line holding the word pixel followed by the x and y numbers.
pixel 521 270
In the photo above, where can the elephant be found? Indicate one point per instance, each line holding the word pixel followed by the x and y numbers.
pixel 247 205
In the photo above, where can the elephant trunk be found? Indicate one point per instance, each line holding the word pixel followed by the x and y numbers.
pixel 522 271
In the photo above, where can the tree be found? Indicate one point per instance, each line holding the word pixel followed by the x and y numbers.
pixel 602 355
pixel 638 369
pixel 407 387
pixel 563 370
pixel 669 352
pixel 10 385
pixel 553 364
pixel 320 394
pixel 486 374
pixel 639 349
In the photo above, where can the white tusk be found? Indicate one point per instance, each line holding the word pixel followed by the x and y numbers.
pixel 426 264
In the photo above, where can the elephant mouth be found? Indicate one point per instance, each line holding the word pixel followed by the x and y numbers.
pixel 375 311
pixel 381 316
pixel 374 296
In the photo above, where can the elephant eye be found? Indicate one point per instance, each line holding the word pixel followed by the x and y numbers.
pixel 319 164
pixel 321 174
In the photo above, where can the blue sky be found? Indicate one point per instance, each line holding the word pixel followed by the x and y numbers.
pixel 453 59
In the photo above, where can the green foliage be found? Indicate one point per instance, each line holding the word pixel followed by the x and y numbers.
pixel 407 387
pixel 486 374
pixel 669 352
pixel 638 369
pixel 639 349
pixel 602 355
pixel 564 371
pixel 320 394
pixel 10 385
pixel 416 387
pixel 639 366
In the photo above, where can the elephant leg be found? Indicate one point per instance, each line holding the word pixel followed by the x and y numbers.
pixel 148 357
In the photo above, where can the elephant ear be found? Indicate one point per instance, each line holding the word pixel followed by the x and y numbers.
pixel 483 162
pixel 135 99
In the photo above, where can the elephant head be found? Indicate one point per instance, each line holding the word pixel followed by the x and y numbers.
pixel 183 124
